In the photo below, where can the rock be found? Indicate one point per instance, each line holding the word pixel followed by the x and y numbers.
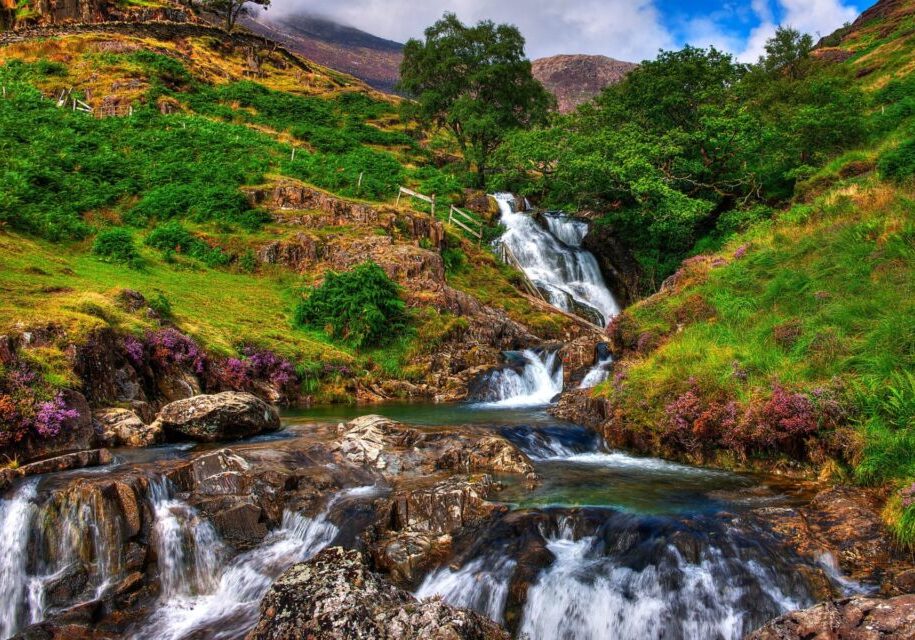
pixel 444 507
pixel 336 597
pixel 490 453
pixel 66 462
pixel 123 428
pixel 223 416
pixel 373 441
pixel 178 385
pixel 131 515
pixel 858 618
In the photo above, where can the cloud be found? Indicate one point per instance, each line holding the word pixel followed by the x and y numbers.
pixel 625 29
pixel 816 17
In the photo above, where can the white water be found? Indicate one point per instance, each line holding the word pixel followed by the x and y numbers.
pixel 598 373
pixel 225 606
pixel 569 275
pixel 481 585
pixel 538 382
pixel 16 517
pixel 571 232
pixel 585 595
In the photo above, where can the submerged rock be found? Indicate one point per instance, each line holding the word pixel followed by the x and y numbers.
pixel 335 596
pixel 223 416
pixel 849 619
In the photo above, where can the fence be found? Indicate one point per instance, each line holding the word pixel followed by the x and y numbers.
pixel 413 194
pixel 465 221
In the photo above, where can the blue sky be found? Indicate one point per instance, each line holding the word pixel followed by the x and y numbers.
pixel 624 29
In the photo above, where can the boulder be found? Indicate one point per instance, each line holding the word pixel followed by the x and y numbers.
pixel 124 428
pixel 858 618
pixel 223 416
pixel 336 597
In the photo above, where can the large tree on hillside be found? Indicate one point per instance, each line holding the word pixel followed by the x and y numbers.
pixel 474 81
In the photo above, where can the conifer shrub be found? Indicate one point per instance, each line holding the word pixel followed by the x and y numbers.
pixel 361 306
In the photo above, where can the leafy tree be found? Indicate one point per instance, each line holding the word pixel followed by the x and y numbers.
pixel 230 10
pixel 361 306
pixel 788 52
pixel 475 82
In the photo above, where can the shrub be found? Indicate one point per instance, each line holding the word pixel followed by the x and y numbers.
pixel 898 164
pixel 169 348
pixel 161 305
pixel 361 306
pixel 455 260
pixel 172 236
pixel 116 245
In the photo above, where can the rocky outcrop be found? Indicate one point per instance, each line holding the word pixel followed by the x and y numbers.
pixel 621 270
pixel 66 462
pixel 858 618
pixel 334 596
pixel 223 416
pixel 577 79
pixel 124 428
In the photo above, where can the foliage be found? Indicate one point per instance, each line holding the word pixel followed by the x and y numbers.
pixel 898 163
pixel 686 142
pixel 28 406
pixel 173 236
pixel 116 245
pixel 230 10
pixel 475 82
pixel 361 306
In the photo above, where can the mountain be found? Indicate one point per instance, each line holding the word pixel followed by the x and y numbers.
pixel 576 79
pixel 373 60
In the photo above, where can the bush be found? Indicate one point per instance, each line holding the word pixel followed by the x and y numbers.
pixel 172 236
pixel 116 245
pixel 361 306
pixel 898 164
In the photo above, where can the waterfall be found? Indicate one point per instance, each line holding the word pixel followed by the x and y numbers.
pixel 588 594
pixel 225 605
pixel 481 585
pixel 538 380
pixel 16 516
pixel 597 374
pixel 569 231
pixel 70 536
pixel 568 275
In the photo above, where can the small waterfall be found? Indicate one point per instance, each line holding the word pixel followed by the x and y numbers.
pixel 225 605
pixel 588 594
pixel 568 275
pixel 481 585
pixel 597 374
pixel 569 231
pixel 536 382
pixel 69 537
pixel 16 517
pixel 553 443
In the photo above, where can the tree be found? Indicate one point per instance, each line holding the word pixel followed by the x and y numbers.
pixel 475 82
pixel 788 52
pixel 230 10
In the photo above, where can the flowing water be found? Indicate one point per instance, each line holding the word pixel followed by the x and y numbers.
pixel 555 262
pixel 533 379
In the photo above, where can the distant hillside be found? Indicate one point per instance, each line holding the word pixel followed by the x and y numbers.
pixel 373 60
pixel 576 79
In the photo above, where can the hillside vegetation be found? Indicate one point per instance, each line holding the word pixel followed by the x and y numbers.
pixel 159 198
pixel 790 335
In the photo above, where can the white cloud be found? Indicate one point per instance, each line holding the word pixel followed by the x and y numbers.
pixel 625 29
pixel 816 17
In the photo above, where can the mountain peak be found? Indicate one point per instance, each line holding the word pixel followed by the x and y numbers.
pixel 576 79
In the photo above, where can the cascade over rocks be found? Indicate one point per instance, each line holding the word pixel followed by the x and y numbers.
pixel 223 416
pixel 334 596
pixel 858 618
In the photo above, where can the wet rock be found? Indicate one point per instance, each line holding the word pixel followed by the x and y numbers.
pixel 223 416
pixel 492 453
pixel 407 555
pixel 858 618
pixel 178 385
pixel 124 428
pixel 67 462
pixel 374 441
pixel 443 507
pixel 129 508
pixel 336 597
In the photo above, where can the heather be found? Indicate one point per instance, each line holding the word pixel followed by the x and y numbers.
pixel 29 407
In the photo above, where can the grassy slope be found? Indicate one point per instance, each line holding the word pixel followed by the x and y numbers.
pixel 822 298
pixel 74 174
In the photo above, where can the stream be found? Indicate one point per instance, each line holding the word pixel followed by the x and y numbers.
pixel 605 545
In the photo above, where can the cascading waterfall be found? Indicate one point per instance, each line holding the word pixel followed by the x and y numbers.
pixel 16 517
pixel 597 374
pixel 225 606
pixel 45 543
pixel 481 585
pixel 588 594
pixel 535 383
pixel 568 275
